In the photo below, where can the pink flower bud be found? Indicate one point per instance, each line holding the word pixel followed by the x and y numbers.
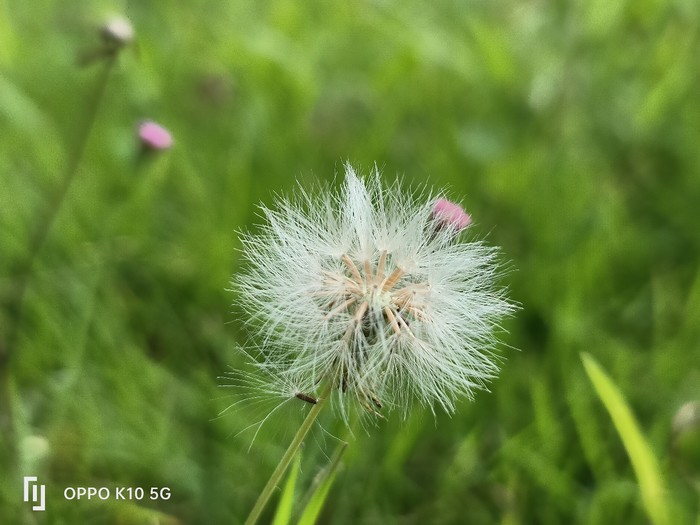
pixel 451 215
pixel 154 136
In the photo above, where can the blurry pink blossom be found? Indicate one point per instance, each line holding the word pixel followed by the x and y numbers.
pixel 451 215
pixel 155 137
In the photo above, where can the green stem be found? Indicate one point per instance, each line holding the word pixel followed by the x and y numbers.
pixel 292 450
pixel 23 269
pixel 47 218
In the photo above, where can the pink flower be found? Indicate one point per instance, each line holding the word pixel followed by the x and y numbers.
pixel 451 215
pixel 154 136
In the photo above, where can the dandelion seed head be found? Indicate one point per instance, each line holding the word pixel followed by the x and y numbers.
pixel 372 290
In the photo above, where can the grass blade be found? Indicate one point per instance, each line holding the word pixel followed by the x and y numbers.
pixel 321 488
pixel 644 462
pixel 284 509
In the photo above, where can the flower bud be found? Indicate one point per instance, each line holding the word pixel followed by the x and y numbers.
pixel 154 136
pixel 686 439
pixel 451 215
pixel 34 450
pixel 117 31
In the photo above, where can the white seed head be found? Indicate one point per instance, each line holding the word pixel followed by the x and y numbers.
pixel 368 289
pixel 118 31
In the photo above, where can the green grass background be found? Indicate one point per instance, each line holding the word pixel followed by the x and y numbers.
pixel 569 130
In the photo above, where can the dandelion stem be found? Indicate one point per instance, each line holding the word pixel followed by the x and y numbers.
pixel 292 450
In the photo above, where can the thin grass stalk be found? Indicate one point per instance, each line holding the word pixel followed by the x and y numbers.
pixel 48 216
pixel 316 497
pixel 23 269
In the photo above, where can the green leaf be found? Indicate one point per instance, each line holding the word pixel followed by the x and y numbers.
pixel 644 462
pixel 284 509
pixel 321 489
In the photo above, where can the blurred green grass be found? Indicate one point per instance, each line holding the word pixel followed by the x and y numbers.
pixel 570 132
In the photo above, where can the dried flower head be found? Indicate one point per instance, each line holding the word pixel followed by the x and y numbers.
pixel 375 291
